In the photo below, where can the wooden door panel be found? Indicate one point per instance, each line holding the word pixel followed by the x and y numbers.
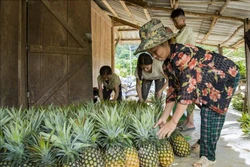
pixel 59 59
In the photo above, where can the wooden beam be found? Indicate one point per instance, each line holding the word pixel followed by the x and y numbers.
pixel 112 45
pixel 238 43
pixel 128 11
pixel 61 81
pixel 110 8
pixel 176 4
pixel 220 49
pixel 224 7
pixel 140 3
pixel 57 50
pixel 67 25
pixel 215 20
pixel 235 32
pixel 171 3
pixel 22 58
pixel 127 30
pixel 247 56
pixel 169 10
pixel 147 14
pixel 210 29
pixel 126 22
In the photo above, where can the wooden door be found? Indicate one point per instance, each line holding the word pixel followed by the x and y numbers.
pixel 59 56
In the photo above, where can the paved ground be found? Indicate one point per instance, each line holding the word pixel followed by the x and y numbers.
pixel 233 150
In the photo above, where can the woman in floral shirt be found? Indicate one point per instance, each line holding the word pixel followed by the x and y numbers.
pixel 195 75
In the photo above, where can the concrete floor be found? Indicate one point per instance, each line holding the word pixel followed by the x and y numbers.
pixel 233 150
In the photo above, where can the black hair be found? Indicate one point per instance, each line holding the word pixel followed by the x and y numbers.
pixel 105 70
pixel 177 12
pixel 143 59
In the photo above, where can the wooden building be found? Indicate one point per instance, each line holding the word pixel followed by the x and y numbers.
pixel 51 50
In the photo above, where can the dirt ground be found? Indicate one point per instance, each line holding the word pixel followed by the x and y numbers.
pixel 233 150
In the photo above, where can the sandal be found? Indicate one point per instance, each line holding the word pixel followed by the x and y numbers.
pixel 203 162
pixel 195 148
pixel 185 128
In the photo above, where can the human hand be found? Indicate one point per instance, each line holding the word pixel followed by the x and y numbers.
pixel 141 100
pixel 166 129
pixel 160 122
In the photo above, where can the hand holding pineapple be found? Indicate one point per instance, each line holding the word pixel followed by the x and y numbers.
pixel 166 128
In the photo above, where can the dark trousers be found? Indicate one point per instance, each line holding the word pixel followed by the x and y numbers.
pixel 211 126
pixel 146 84
pixel 107 92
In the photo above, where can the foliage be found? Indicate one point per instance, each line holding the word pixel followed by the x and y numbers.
pixel 125 61
pixel 237 102
pixel 242 68
pixel 245 124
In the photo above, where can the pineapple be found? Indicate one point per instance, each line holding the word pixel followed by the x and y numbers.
pixel 145 137
pixel 15 136
pixel 165 153
pixel 59 131
pixel 41 152
pixel 132 158
pixel 111 127
pixel 83 127
pixel 180 146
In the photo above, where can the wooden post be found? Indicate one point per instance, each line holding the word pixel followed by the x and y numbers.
pixel 220 49
pixel 22 66
pixel 113 46
pixel 247 55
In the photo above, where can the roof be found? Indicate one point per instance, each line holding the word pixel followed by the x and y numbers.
pixel 214 22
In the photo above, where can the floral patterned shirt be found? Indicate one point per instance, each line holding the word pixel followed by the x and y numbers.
pixel 200 76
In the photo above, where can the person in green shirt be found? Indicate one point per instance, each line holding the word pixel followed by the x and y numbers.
pixel 108 82
pixel 184 36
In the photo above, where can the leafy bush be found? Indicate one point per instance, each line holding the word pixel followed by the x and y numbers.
pixel 245 124
pixel 238 102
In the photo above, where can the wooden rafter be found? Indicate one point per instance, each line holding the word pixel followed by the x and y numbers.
pixel 215 20
pixel 169 10
pixel 147 14
pixel 128 11
pixel 121 30
pixel 140 3
pixel 235 32
pixel 110 8
pixel 210 29
pixel 176 4
pixel 237 44
pixel 126 23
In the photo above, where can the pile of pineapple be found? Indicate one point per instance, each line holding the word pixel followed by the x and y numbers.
pixel 91 135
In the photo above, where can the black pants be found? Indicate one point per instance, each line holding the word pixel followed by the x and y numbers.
pixel 146 84
pixel 106 93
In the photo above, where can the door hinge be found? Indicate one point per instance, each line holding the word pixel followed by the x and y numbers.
pixel 28 97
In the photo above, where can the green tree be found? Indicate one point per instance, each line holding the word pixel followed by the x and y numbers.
pixel 125 61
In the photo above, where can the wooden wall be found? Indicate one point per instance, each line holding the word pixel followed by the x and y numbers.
pixel 57 67
pixel 101 40
pixel 12 53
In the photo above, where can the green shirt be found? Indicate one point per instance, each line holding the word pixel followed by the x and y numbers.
pixel 185 36
pixel 111 83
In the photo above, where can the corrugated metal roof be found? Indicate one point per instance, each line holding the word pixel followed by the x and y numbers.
pixel 228 16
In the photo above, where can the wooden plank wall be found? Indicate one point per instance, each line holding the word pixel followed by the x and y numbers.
pixel 101 40
pixel 12 53
pixel 60 72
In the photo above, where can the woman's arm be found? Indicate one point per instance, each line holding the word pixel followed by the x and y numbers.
pixel 159 93
pixel 138 89
pixel 100 91
pixel 117 91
